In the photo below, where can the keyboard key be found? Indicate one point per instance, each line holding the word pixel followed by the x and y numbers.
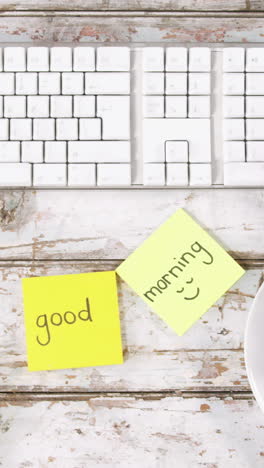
pixel 49 175
pixel 154 174
pixel 99 151
pixel 43 129
pixel 61 59
pixel 32 151
pixel 15 175
pixel 177 174
pixel 38 59
pixel 7 83
pixel 49 83
pixel 84 106
pixel 153 59
pixel 26 83
pixel 113 59
pixel 254 129
pixel 255 83
pixel 81 175
pixel 14 106
pixel 72 83
pixel 113 174
pixel 115 113
pixel 38 106
pixel 234 106
pixel 199 107
pixel 255 106
pixel 234 151
pixel 176 59
pixel 14 59
pixel 153 83
pixel 67 129
pixel 21 129
pixel 255 151
pixel 200 174
pixel 61 106
pixel 199 59
pixel 233 83
pixel 84 59
pixel 176 106
pixel 234 129
pixel 176 151
pixel 255 59
pixel 199 83
pixel 153 106
pixel 176 83
pixel 233 59
pixel 55 151
pixel 90 129
pixel 241 174
pixel 9 151
pixel 4 129
pixel 107 83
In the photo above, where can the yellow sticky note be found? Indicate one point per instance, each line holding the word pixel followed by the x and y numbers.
pixel 180 271
pixel 72 321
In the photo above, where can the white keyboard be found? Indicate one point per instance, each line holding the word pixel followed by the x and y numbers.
pixel 115 116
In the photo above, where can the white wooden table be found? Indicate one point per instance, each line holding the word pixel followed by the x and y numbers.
pixel 182 402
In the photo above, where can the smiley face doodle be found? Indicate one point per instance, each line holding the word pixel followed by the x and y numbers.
pixel 189 298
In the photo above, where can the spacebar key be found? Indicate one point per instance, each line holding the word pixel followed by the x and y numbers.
pixel 15 174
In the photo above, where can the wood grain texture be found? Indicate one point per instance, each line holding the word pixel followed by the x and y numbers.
pixel 49 29
pixel 127 431
pixel 209 357
pixel 91 225
pixel 133 5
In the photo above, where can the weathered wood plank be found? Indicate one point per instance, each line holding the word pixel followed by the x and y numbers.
pixel 127 431
pixel 178 371
pixel 132 5
pixel 209 356
pixel 48 28
pixel 80 224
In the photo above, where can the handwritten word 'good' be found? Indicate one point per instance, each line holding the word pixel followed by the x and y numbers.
pixel 57 319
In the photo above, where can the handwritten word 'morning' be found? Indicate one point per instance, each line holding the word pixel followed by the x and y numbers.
pixel 57 319
pixel 176 270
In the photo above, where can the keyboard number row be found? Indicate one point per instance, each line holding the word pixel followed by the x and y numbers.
pixel 65 59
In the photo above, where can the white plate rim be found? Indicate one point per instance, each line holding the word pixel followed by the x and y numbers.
pixel 253 314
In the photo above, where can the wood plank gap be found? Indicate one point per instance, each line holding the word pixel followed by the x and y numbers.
pixel 134 14
pixel 72 9
pixel 247 263
pixel 75 396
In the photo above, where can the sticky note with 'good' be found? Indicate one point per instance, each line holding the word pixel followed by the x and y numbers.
pixel 72 321
pixel 180 271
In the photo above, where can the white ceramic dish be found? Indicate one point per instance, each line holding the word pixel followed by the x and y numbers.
pixel 254 347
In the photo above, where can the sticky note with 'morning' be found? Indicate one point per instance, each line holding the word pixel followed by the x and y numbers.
pixel 180 271
pixel 72 321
